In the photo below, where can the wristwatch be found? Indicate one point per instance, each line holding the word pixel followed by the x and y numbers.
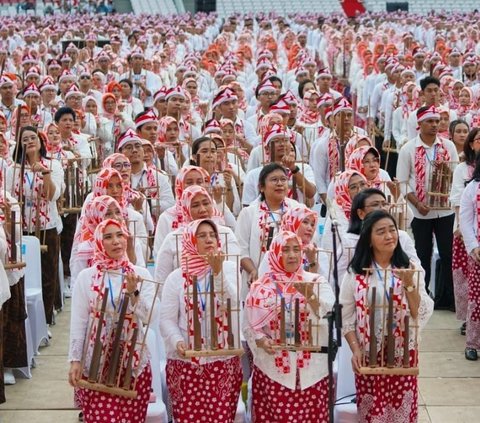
pixel 409 288
pixel 296 170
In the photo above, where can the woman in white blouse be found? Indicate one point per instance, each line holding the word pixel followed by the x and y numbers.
pixel 287 383
pixel 110 263
pixel 469 228
pixel 461 176
pixel 383 398
pixel 200 388
pixel 39 190
pixel 258 223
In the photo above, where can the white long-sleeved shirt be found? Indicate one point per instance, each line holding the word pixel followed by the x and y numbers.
pixel 469 216
pixel 168 257
pixel 173 317
pixel 406 174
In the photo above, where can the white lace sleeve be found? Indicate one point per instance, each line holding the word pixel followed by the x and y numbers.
pixel 76 350
pixel 347 299
pixel 425 309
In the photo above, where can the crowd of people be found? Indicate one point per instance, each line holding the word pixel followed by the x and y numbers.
pixel 156 155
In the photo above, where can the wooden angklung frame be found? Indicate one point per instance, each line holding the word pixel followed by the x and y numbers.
pixel 113 367
pixel 439 185
pixel 213 307
pixel 76 188
pixel 298 325
pixel 384 354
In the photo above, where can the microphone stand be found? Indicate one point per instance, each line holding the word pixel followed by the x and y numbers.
pixel 334 320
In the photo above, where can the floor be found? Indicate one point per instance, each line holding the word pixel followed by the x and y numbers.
pixel 449 385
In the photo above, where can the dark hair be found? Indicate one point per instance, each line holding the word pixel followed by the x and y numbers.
pixel 139 115
pixel 127 81
pixel 454 124
pixel 363 257
pixel 358 202
pixel 274 78
pixel 19 152
pixel 476 171
pixel 196 146
pixel 266 170
pixel 470 155
pixel 427 81
pixel 64 111
pixel 211 223
pixel 301 86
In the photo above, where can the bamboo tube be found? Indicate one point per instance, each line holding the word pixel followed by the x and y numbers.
pixel 310 333
pixel 197 335
pixel 13 241
pixel 97 347
pixel 298 339
pixel 128 372
pixel 67 189
pixel 213 322
pixel 406 342
pixel 113 368
pixel 390 338
pixel 372 361
pixel 282 322
pixel 230 337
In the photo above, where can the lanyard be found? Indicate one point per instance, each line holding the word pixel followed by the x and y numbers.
pixel 110 292
pixel 380 279
pixel 434 154
pixel 30 183
pixel 203 299
pixel 272 215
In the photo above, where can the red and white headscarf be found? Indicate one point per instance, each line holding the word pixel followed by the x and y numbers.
pixel 353 142
pixel 294 217
pixel 163 124
pixel 261 307
pixel 101 186
pixel 94 214
pixel 195 264
pixel 355 162
pixel 342 194
pixel 186 199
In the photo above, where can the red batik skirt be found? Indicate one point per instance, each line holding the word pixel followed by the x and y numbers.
pixel 387 399
pixel 275 403
pixel 204 393
pixel 460 277
pixel 102 407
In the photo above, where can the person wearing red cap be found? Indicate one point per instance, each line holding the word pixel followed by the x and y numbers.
pixel 154 183
pixel 278 148
pixel 145 83
pixel 9 102
pixel 414 171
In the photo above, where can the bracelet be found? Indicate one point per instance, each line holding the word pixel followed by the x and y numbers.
pixel 353 343
pixel 296 170
pixel 312 264
pixel 47 172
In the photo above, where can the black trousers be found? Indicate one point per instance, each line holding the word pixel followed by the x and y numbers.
pixel 423 232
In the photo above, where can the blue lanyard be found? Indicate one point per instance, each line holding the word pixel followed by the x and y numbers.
pixel 279 291
pixel 110 292
pixel 434 154
pixel 203 300
pixel 213 178
pixel 271 213
pixel 380 278
pixel 30 183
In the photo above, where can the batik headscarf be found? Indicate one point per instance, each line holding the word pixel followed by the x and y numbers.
pixel 355 162
pixel 342 194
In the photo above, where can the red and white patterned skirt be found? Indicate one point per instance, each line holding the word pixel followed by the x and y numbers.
pixel 275 403
pixel 107 408
pixel 460 277
pixel 473 308
pixel 387 399
pixel 204 393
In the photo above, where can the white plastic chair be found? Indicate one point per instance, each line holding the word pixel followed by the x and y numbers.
pixel 157 412
pixel 26 371
pixel 33 291
pixel 345 413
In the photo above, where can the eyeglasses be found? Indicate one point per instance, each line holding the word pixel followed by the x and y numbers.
pixel 268 94
pixel 121 166
pixel 275 180
pixel 376 205
pixel 85 77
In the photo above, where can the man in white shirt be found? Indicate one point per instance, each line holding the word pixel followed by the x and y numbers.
pixel 414 172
